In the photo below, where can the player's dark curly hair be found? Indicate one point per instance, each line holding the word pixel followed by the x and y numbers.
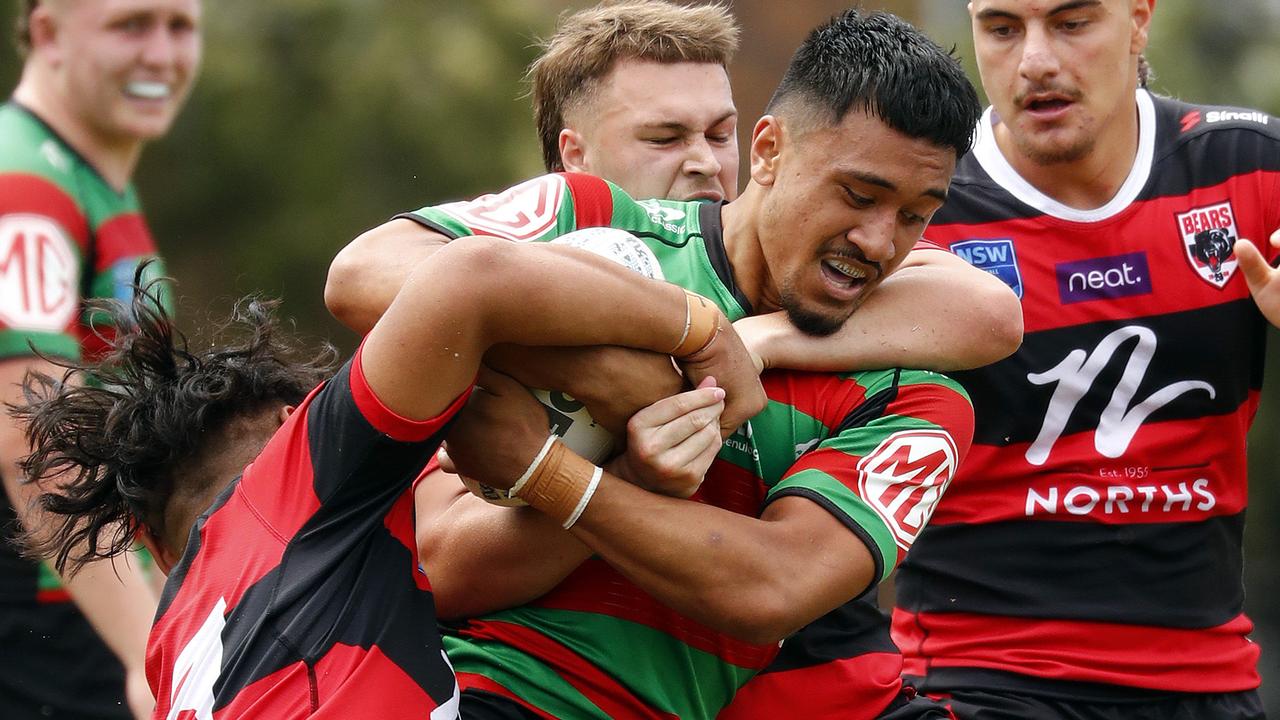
pixel 111 434
pixel 880 64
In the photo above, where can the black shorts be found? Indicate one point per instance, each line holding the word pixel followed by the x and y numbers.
pixel 1009 705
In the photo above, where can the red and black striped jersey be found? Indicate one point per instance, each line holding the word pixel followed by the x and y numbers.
pixel 299 593
pixel 1094 533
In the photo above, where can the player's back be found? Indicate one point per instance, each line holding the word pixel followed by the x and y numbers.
pixel 299 594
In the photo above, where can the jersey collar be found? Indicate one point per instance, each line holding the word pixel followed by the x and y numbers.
pixel 997 166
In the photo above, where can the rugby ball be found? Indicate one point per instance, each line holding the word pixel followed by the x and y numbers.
pixel 567 417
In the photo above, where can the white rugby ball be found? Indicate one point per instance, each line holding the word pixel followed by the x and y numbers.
pixel 566 416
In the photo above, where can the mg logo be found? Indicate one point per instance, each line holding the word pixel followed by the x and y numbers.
pixel 904 478
pixel 521 213
pixel 39 274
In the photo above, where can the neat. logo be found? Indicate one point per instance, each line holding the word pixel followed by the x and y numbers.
pixel 1104 278
pixel 1209 236
pixel 1121 499
pixel 39 274
pixel 904 478
pixel 521 213
pixel 996 256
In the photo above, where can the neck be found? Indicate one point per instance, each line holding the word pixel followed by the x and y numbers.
pixel 742 244
pixel 1089 182
pixel 219 460
pixel 113 158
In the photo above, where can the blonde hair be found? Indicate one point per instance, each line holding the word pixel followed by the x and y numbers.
pixel 588 43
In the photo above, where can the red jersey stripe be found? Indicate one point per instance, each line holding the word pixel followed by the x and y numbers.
pixel 1208 660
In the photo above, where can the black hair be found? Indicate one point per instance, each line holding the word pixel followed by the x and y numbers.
pixel 110 435
pixel 880 64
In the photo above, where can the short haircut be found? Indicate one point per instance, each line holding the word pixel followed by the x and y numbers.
pixel 588 43
pixel 112 436
pixel 879 64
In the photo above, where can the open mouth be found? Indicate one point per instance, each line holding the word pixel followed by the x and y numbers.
pixel 846 279
pixel 1047 104
pixel 147 90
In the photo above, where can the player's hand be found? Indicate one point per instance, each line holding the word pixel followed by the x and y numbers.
pixel 731 364
pixel 498 433
pixel 1263 280
pixel 613 382
pixel 671 443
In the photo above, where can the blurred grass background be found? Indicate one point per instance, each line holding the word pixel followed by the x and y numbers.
pixel 316 119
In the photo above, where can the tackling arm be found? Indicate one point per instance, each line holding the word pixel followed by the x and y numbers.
pixel 935 312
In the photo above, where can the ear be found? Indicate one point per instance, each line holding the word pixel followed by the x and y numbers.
pixel 43 29
pixel 766 146
pixel 1142 11
pixel 164 557
pixel 573 151
pixel 285 411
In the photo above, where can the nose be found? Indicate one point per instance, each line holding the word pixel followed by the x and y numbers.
pixel 161 47
pixel 1039 61
pixel 701 159
pixel 875 235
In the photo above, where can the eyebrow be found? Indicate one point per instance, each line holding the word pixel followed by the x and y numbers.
pixel 681 127
pixel 872 179
pixel 991 13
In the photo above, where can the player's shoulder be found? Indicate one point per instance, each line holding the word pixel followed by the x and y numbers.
pixel 30 148
pixel 928 379
pixel 1179 121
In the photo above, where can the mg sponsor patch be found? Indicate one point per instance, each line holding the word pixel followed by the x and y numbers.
pixel 904 478
pixel 997 257
pixel 1103 278
pixel 1209 236
pixel 521 213
pixel 39 274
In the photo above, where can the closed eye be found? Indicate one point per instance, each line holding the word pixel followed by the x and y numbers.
pixel 858 200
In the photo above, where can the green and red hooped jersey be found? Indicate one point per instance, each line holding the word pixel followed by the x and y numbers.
pixel 876 449
pixel 64 234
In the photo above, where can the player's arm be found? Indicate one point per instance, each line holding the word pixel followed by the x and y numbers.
pixel 366 275
pixel 113 596
pixel 481 557
pixel 758 579
pixel 935 311
pixel 477 292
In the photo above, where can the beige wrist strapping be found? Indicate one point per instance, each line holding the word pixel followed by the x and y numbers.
pixel 701 325
pixel 558 482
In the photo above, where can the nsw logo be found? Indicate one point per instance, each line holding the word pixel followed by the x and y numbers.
pixel 1209 236
pixel 997 257
pixel 1104 278
pixel 904 478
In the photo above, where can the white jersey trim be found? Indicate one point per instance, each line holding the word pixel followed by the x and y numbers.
pixel 988 154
